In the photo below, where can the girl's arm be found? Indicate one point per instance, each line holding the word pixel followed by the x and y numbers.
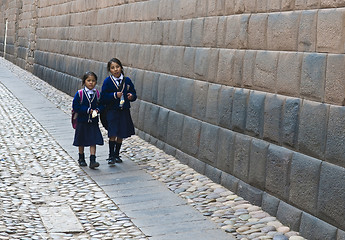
pixel 107 92
pixel 131 91
pixel 77 106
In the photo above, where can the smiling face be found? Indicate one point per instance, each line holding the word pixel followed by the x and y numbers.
pixel 90 82
pixel 115 69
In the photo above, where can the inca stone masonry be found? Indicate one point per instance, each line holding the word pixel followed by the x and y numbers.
pixel 247 92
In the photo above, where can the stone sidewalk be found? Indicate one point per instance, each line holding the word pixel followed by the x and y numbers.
pixel 149 196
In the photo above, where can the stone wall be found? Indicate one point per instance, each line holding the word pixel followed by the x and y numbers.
pixel 248 92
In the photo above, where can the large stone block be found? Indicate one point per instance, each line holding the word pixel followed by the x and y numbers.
pixel 282 31
pixel 208 147
pixel 197 32
pixel 313 129
pixel 221 31
pixel 277 171
pixel 287 5
pixel 162 125
pixel 174 129
pixel 248 68
pixel 331 204
pixel 150 119
pixel 330 30
pixel 250 193
pixel 147 86
pixel 141 116
pixel 340 235
pixel 225 155
pixel 155 81
pixel 290 121
pixel 257 163
pixel 225 66
pixel 289 215
pixel 257 31
pixel 335 145
pixel 213 173
pixel 272 117
pixel 229 181
pixel 176 63
pixel 212 103
pixel 187 33
pixel 237 72
pixel 237 31
pixel 165 59
pixel 241 156
pixel 313 76
pixel 265 70
pixel 255 113
pixel 188 62
pixel 239 109
pixel 191 136
pixel 289 73
pixel 304 180
pixel 225 106
pixel 335 83
pixel 210 32
pixel 200 99
pixel 201 62
pixel 170 92
pixel 307 31
pixel 270 204
pixel 315 228
pixel 184 95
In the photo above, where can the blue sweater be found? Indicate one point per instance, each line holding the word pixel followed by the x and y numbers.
pixel 113 102
pixel 83 108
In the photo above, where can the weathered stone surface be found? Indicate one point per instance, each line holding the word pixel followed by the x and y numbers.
pixel 288 73
pixel 184 96
pixel 208 147
pixel 255 113
pixel 282 31
pixel 272 117
pixel 265 70
pixel 257 163
pixel 257 31
pixel 290 121
pixel 316 228
pixel 174 129
pixel 335 145
pixel 200 99
pixel 239 109
pixel 304 182
pixel 278 162
pixel 251 194
pixel 270 203
pixel 334 82
pixel 225 106
pixel 191 132
pixel 331 204
pixel 212 103
pixel 307 31
pixel 329 35
pixel 289 215
pixel 313 76
pixel 312 129
pixel 241 156
pixel 225 155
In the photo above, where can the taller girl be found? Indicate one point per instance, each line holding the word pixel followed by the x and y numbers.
pixel 117 93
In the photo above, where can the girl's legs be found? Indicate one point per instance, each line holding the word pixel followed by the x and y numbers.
pixel 81 159
pixel 112 142
pixel 93 162
pixel 117 150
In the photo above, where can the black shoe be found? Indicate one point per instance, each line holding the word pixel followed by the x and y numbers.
pixel 118 159
pixel 93 163
pixel 111 160
pixel 82 163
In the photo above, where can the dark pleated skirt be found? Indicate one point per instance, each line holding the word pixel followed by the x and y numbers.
pixel 88 134
pixel 120 123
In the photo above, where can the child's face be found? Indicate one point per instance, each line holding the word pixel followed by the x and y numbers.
pixel 90 82
pixel 115 69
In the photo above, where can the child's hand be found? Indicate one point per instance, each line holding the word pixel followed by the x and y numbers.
pixel 129 96
pixel 119 94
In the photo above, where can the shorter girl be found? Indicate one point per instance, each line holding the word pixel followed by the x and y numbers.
pixel 87 133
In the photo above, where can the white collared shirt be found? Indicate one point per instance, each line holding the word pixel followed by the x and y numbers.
pixel 90 91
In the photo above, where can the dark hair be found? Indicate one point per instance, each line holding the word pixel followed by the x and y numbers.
pixel 115 60
pixel 88 74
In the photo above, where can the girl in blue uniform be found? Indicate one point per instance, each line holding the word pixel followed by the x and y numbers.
pixel 87 133
pixel 117 93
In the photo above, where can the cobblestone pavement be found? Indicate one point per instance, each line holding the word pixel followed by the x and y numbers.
pixel 37 180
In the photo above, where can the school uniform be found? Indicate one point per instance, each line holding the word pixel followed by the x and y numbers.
pixel 119 119
pixel 87 132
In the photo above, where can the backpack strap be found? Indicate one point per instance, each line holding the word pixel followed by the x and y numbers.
pixel 80 91
pixel 98 95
